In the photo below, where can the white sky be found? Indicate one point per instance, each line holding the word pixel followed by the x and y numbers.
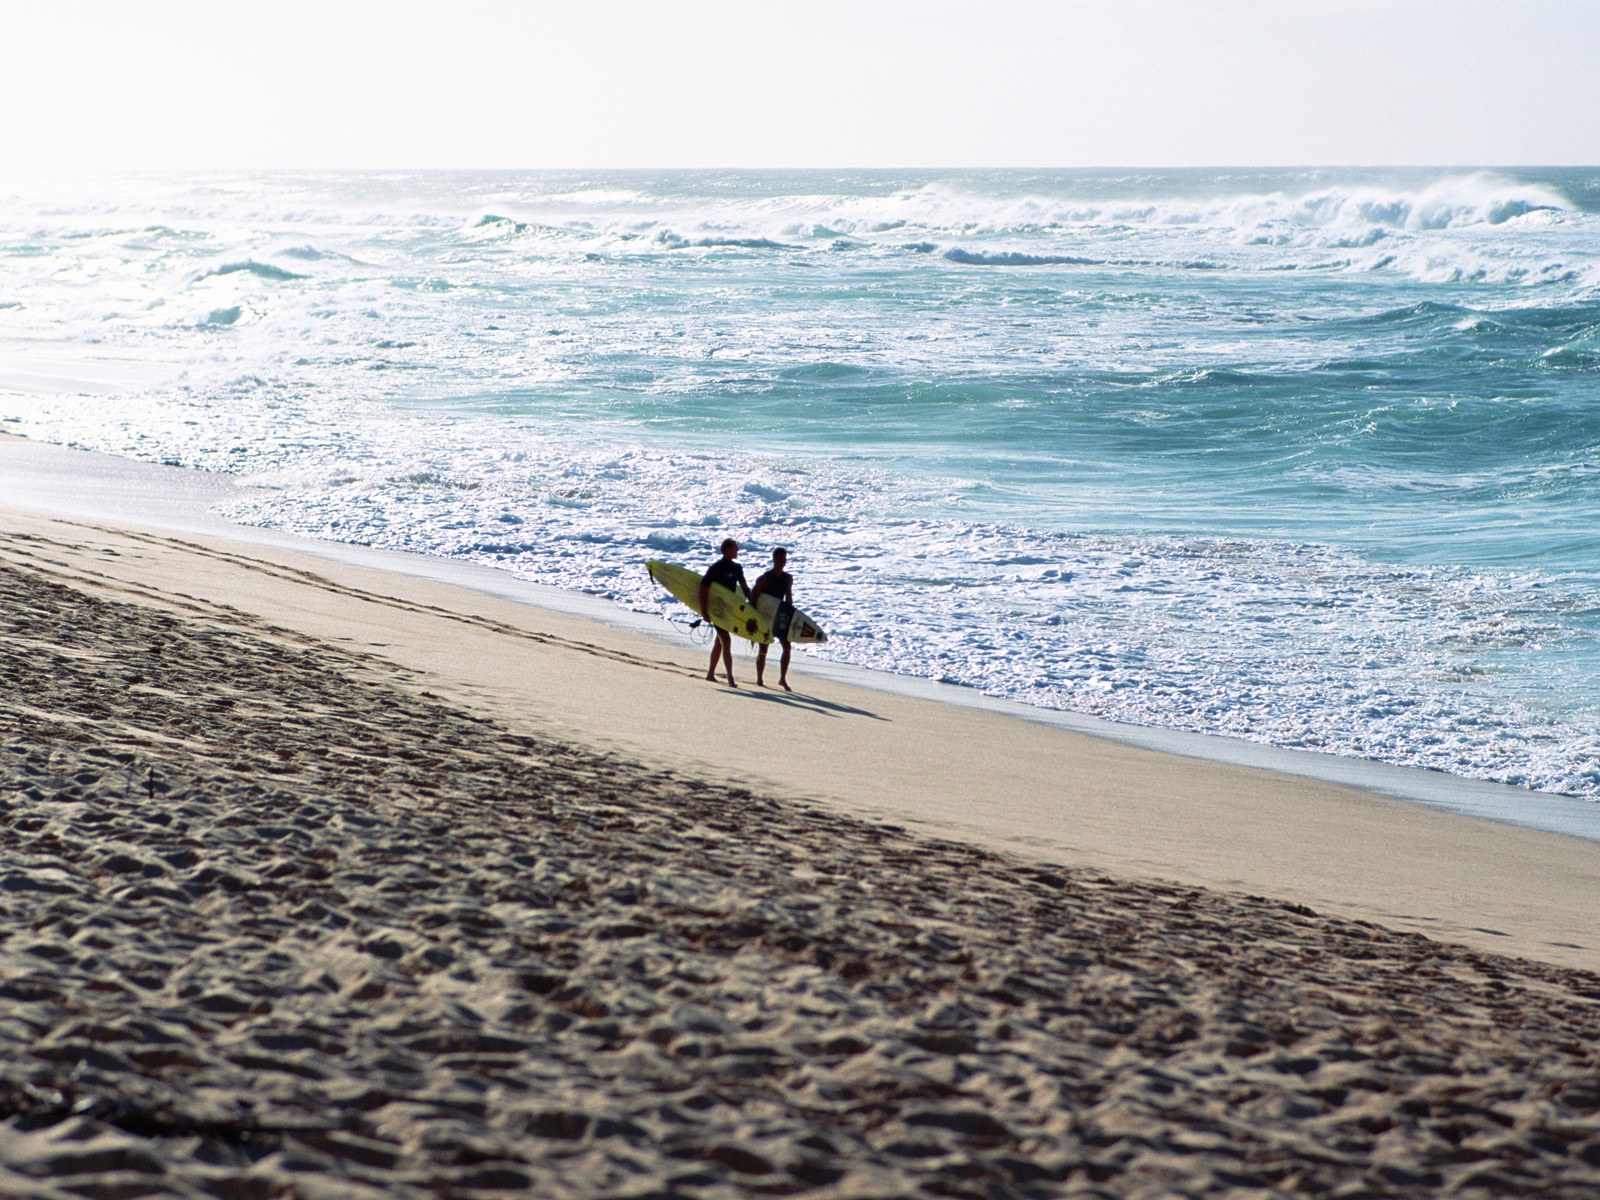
pixel 594 83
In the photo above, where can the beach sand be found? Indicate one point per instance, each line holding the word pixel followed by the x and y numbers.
pixel 326 882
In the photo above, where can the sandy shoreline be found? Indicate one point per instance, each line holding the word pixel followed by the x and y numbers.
pixel 1012 785
pixel 280 924
pixel 327 882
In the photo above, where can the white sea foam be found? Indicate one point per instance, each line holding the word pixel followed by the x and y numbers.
pixel 1293 644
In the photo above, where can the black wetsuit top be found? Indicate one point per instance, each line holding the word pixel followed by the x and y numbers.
pixel 729 574
pixel 775 583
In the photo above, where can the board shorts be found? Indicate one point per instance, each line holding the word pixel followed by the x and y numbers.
pixel 780 623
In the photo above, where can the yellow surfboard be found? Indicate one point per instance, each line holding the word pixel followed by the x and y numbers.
pixel 728 609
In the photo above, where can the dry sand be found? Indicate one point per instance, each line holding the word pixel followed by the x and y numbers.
pixel 324 883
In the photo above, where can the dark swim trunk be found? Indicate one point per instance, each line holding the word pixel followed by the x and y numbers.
pixel 780 623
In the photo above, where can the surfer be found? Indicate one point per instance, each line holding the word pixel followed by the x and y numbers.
pixel 728 573
pixel 776 582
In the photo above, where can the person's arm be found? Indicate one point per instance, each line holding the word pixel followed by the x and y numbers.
pixel 761 584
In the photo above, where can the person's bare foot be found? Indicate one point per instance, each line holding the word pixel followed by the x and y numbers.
pixel 784 685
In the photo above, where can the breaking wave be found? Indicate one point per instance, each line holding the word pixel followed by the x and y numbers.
pixel 1351 215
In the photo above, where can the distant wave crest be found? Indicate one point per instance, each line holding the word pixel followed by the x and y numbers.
pixel 1439 230
pixel 1013 258
pixel 1581 353
pixel 1017 258
pixel 494 223
pixel 250 266
pixel 1343 214
pixel 1447 204
pixel 675 241
pixel 1356 215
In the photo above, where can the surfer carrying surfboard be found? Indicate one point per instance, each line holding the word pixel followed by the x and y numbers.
pixel 730 575
pixel 779 583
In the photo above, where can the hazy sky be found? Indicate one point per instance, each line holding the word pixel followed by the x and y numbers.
pixel 594 83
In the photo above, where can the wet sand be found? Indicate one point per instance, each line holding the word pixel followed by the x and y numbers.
pixel 321 883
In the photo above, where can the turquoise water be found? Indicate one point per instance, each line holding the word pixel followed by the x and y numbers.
pixel 1307 457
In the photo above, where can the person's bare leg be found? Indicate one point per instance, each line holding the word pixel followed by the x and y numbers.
pixel 716 648
pixel 783 668
pixel 727 657
pixel 761 664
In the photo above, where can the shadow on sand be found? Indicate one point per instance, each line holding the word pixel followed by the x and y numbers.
pixel 826 708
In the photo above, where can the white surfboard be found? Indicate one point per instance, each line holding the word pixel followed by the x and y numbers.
pixel 801 627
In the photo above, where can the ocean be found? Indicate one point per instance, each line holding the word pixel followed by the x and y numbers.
pixel 1306 457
